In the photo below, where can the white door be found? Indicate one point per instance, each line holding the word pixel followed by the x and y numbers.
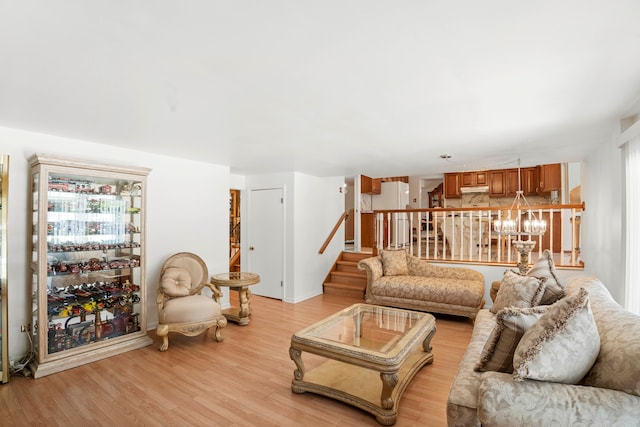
pixel 266 241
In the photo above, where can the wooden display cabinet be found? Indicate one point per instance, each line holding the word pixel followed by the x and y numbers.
pixel 435 197
pixel 89 291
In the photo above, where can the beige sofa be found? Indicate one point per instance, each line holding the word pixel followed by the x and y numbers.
pixel 420 285
pixel 608 395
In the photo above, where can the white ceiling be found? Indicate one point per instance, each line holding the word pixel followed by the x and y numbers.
pixel 325 87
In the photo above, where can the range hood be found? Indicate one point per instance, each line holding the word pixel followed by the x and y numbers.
pixel 475 189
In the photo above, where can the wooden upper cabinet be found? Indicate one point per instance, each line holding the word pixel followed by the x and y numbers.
pixel 471 179
pixel 481 178
pixel 535 180
pixel 376 186
pixel 549 178
pixel 529 181
pixel 511 182
pixel 497 183
pixel 370 185
pixel 452 183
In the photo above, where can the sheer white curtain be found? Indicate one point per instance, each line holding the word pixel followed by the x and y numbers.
pixel 632 225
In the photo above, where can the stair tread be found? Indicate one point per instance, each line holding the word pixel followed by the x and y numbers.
pixel 344 285
pixel 349 274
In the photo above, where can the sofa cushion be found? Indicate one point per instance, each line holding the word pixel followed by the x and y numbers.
pixel 394 262
pixel 463 395
pixel 545 268
pixel 518 291
pixel 468 293
pixel 504 402
pixel 560 347
pixel 617 365
pixel 511 324
pixel 193 308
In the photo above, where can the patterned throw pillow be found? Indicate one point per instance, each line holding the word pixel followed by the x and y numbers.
pixel 394 263
pixel 560 347
pixel 176 282
pixel 518 291
pixel 545 268
pixel 511 324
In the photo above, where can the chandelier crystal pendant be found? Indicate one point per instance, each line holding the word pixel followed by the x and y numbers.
pixel 532 226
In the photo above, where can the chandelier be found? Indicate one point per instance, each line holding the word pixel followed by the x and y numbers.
pixel 532 226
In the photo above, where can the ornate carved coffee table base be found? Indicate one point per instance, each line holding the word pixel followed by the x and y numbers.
pixel 373 384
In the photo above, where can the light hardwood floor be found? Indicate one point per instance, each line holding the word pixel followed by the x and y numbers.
pixel 243 381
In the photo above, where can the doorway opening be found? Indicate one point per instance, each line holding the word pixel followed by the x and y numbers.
pixel 234 230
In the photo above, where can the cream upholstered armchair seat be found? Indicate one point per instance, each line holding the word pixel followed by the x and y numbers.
pixel 181 306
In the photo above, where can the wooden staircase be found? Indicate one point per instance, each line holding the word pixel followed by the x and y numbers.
pixel 234 256
pixel 345 277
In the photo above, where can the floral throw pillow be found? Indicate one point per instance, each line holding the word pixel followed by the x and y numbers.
pixel 545 268
pixel 394 263
pixel 511 324
pixel 560 347
pixel 518 291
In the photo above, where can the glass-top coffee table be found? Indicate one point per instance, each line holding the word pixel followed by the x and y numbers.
pixel 372 354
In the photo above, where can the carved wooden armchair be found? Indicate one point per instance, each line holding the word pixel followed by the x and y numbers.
pixel 181 306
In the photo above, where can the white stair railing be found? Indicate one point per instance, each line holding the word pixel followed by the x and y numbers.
pixel 466 234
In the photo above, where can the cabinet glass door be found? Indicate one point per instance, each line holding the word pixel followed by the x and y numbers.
pixel 93 259
pixel 88 257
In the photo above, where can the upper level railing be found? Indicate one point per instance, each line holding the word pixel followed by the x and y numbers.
pixel 467 235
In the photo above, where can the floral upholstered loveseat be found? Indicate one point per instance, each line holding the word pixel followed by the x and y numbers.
pixel 552 382
pixel 397 279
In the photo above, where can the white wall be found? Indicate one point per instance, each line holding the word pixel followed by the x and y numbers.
pixel 310 204
pixel 187 210
pixel 318 204
pixel 602 219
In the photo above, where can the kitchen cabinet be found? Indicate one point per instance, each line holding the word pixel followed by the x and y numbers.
pixel 88 258
pixel 504 182
pixel 376 186
pixel 472 179
pixel 370 185
pixel 452 183
pixel 529 181
pixel 549 178
pixel 536 180
pixel 367 227
pixel 497 183
pixel 4 303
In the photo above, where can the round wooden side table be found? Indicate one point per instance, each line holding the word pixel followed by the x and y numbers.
pixel 239 282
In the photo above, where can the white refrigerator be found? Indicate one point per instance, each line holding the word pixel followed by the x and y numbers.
pixel 394 195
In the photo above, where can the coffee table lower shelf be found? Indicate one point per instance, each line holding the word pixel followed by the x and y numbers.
pixel 362 387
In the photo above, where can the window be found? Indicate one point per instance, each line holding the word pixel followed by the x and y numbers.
pixel 632 226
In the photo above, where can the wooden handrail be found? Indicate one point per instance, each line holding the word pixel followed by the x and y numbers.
pixel 234 258
pixel 333 232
